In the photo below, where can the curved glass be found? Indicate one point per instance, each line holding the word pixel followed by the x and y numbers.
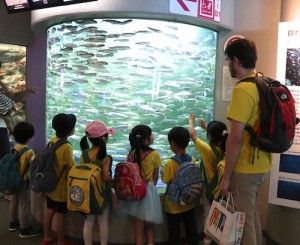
pixel 127 72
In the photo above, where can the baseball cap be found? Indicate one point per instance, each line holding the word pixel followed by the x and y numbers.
pixel 97 129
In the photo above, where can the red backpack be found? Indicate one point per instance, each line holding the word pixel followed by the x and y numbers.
pixel 128 183
pixel 277 121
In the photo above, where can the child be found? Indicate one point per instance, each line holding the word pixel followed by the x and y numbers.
pixel 6 108
pixel 179 139
pixel 7 104
pixel 20 201
pixel 97 133
pixel 64 126
pixel 217 136
pixel 147 211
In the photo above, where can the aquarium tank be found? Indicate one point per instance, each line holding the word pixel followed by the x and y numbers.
pixel 127 72
pixel 13 75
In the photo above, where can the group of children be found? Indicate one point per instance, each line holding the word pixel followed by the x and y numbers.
pixel 145 212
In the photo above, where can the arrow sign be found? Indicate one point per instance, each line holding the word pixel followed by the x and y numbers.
pixel 183 5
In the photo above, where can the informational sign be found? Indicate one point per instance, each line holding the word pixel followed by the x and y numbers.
pixel 205 9
pixel 285 174
pixel 227 84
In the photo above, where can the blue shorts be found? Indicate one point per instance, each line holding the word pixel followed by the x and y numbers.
pixel 59 207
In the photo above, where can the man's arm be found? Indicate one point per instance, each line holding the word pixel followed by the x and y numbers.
pixel 233 147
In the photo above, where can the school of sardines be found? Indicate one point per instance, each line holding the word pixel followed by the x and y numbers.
pixel 130 71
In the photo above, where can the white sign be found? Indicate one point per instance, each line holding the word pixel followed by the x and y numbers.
pixel 285 174
pixel 204 9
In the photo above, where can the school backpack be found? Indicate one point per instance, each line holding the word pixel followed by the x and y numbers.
pixel 187 185
pixel 212 188
pixel 42 173
pixel 10 177
pixel 277 119
pixel 85 187
pixel 128 182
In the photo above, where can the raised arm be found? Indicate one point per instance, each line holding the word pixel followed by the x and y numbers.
pixel 192 131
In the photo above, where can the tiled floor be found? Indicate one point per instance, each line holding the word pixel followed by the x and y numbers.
pixel 12 238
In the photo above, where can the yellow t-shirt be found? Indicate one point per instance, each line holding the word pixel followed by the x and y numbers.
pixel 244 108
pixel 149 163
pixel 210 161
pixel 64 161
pixel 24 161
pixel 168 174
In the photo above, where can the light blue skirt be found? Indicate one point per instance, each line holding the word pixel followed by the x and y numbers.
pixel 148 209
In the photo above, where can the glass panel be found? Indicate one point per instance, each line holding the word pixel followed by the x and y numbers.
pixel 13 75
pixel 128 72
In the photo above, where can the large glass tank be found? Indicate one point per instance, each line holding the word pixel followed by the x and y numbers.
pixel 127 72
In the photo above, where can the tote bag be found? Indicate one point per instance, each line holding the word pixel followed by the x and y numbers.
pixel 225 225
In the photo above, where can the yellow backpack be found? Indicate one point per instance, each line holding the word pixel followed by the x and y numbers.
pixel 85 189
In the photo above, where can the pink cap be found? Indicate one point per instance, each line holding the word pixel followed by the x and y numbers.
pixel 97 129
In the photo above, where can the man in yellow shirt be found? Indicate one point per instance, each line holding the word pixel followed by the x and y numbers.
pixel 246 167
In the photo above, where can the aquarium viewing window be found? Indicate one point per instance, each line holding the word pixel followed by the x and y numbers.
pixel 127 72
pixel 13 75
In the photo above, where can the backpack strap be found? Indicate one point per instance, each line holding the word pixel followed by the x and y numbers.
pixel 183 158
pixel 214 182
pixel 19 154
pixel 85 156
pixel 54 146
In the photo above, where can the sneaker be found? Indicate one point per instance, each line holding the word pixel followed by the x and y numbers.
pixel 13 226
pixel 29 232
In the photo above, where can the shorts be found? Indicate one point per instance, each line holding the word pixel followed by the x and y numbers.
pixel 59 207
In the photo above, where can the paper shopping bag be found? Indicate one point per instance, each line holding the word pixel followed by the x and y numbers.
pixel 225 225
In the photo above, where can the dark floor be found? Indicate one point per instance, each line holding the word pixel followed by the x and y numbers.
pixel 12 238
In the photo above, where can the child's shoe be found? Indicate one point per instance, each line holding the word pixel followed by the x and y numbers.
pixel 29 232
pixel 13 226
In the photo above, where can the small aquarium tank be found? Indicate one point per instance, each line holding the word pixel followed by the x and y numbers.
pixel 127 72
pixel 13 75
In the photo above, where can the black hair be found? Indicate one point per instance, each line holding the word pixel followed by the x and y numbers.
pixel 218 134
pixel 244 50
pixel 137 138
pixel 23 132
pixel 180 136
pixel 100 142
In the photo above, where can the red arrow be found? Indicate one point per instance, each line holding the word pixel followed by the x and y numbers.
pixel 182 4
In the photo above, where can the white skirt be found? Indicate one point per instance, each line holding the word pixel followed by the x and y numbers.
pixel 148 209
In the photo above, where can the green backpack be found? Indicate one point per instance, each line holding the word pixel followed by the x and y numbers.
pixel 212 186
pixel 10 177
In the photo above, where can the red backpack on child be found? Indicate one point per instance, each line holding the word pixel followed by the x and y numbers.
pixel 129 185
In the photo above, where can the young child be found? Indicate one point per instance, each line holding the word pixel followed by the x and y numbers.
pixel 217 136
pixel 64 126
pixel 97 133
pixel 179 139
pixel 20 201
pixel 147 211
pixel 7 104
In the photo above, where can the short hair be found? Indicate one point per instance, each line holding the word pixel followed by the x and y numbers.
pixel 180 136
pixel 23 132
pixel 244 50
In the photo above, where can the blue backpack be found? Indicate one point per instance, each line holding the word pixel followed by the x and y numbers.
pixel 10 177
pixel 187 185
